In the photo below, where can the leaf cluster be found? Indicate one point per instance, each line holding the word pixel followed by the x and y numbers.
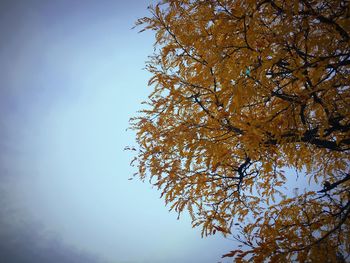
pixel 242 90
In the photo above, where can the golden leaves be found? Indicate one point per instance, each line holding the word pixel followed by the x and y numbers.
pixel 241 90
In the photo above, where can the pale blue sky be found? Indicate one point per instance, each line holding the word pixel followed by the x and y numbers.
pixel 71 76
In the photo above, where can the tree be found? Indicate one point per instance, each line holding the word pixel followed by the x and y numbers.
pixel 242 90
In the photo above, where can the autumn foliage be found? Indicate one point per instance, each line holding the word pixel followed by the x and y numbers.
pixel 243 90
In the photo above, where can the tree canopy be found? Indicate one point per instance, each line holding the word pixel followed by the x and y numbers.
pixel 243 90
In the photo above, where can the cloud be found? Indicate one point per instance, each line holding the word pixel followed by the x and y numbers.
pixel 25 241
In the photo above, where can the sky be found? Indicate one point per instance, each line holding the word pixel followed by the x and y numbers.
pixel 71 76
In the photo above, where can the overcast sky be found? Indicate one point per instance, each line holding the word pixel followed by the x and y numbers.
pixel 70 78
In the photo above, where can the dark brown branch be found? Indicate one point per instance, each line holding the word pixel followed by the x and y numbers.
pixel 327 20
pixel 328 187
